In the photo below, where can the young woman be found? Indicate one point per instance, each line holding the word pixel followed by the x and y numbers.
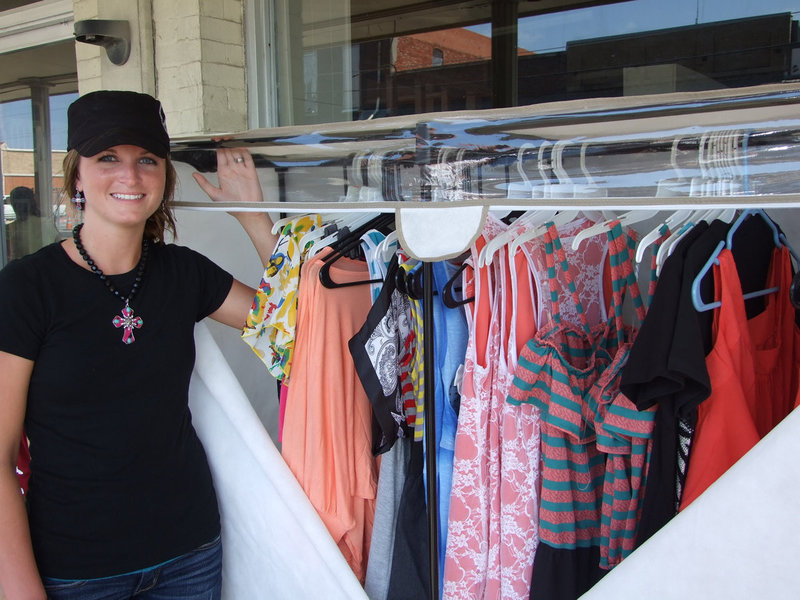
pixel 96 351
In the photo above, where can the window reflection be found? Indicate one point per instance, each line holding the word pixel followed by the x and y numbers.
pixel 348 59
pixel 31 221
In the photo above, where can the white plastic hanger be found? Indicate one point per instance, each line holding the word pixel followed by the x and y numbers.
pixel 544 167
pixel 697 187
pixel 626 220
pixel 697 183
pixel 669 245
pixel 354 179
pixel 281 223
pixel 529 219
pixel 387 246
pixel 310 236
pixel 372 191
pixel 316 232
pixel 463 180
pixel 670 186
pixel 588 189
pixel 565 188
pixel 374 179
pixel 732 159
pixel 520 189
pixel 677 185
pixel 713 186
pixel 717 164
pixel 339 220
pixel 717 153
pixel 446 177
pixel 562 218
pixel 673 221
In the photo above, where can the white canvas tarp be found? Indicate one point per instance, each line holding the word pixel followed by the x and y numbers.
pixel 275 545
pixel 740 539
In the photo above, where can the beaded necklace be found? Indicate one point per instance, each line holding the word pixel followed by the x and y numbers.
pixel 126 320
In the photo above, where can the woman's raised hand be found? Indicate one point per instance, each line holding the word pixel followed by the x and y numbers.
pixel 238 180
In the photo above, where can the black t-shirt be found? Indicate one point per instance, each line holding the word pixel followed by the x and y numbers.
pixel 650 378
pixel 119 478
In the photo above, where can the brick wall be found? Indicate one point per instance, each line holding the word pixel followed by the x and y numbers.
pixel 457 45
pixel 18 168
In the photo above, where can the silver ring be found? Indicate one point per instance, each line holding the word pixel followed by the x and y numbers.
pixel 238 159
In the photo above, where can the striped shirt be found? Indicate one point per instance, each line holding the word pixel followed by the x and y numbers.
pixel 555 372
pixel 624 434
pixel 572 467
pixel 595 444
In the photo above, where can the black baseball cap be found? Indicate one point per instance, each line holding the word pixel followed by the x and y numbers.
pixel 107 118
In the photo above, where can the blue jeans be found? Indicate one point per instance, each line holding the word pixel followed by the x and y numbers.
pixel 196 575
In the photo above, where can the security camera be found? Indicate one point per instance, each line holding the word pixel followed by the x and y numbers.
pixel 113 35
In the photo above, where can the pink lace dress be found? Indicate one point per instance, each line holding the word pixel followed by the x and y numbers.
pixel 467 552
pixel 519 440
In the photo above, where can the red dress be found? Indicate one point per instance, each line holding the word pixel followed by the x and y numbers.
pixel 753 370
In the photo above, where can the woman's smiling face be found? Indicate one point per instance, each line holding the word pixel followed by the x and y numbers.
pixel 123 185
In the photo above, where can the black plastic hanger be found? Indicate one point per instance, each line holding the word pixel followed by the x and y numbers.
pixel 447 292
pixel 347 243
pixel 400 281
pixel 414 285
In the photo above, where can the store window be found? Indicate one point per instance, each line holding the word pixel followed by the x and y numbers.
pixel 29 220
pixel 340 60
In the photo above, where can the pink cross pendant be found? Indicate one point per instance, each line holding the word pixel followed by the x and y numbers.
pixel 128 322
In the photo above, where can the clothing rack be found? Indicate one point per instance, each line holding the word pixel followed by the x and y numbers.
pixel 430 426
pixel 628 171
pixel 423 158
pixel 584 131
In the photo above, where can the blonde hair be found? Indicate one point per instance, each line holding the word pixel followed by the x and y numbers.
pixel 158 223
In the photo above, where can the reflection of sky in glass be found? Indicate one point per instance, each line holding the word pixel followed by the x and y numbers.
pixel 551 32
pixel 542 33
pixel 16 126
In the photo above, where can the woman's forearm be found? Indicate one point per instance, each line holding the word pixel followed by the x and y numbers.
pixel 238 182
pixel 19 577
pixel 258 227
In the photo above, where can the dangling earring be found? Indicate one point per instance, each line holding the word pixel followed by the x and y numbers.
pixel 79 200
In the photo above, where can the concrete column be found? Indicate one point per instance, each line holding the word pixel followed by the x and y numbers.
pixel 42 160
pixel 199 59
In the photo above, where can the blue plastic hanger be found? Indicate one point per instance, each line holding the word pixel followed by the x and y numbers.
pixel 778 238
